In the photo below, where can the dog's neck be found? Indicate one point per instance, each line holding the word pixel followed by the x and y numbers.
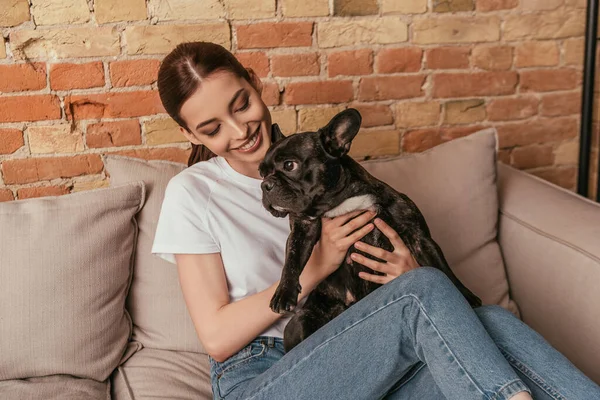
pixel 363 202
pixel 350 194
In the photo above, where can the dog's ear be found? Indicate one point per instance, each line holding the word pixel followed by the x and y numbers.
pixel 276 134
pixel 337 135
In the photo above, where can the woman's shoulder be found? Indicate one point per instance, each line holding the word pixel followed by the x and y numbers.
pixel 200 178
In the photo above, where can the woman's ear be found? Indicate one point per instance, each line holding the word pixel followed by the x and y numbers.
pixel 189 136
pixel 255 81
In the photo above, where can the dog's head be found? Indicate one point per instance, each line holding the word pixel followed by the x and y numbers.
pixel 300 169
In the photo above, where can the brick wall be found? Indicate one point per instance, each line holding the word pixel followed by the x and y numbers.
pixel 77 77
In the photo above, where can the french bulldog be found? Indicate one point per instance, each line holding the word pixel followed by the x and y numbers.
pixel 310 175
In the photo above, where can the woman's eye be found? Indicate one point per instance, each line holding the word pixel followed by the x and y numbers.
pixel 246 105
pixel 214 132
pixel 289 165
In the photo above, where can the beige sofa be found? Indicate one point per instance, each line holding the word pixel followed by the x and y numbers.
pixel 87 312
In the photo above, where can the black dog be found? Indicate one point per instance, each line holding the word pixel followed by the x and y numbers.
pixel 309 175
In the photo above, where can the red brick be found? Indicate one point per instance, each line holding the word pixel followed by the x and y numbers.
pixel 270 34
pixel 29 108
pixel 422 139
pixel 492 58
pixel 133 72
pixel 321 92
pixel 493 5
pixel 29 170
pixel 11 140
pixel 302 64
pixel 76 76
pixel 116 133
pixel 20 77
pixel 353 62
pixel 113 105
pixel 546 80
pixel 455 132
pixel 474 84
pixel 532 156
pixel 503 109
pixel 537 53
pixel 42 191
pixel 406 59
pixel 6 195
pixel 542 130
pixel 390 87
pixel 271 94
pixel 448 57
pixel 374 114
pixel 257 60
pixel 162 153
pixel 557 104
pixel 565 177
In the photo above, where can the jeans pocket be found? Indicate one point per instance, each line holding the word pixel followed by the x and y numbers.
pixel 236 369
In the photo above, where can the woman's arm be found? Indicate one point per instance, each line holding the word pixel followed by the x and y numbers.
pixel 223 327
pixel 218 322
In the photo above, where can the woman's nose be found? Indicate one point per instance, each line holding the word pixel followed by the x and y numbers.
pixel 240 130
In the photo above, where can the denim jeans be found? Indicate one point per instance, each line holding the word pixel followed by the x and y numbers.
pixel 415 337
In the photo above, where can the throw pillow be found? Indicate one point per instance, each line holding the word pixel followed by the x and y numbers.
pixel 65 271
pixel 454 186
pixel 156 303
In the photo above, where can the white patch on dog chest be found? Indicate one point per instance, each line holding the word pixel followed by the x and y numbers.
pixel 364 202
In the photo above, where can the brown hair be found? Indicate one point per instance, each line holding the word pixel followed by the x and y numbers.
pixel 182 71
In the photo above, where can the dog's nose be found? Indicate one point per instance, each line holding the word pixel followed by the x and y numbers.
pixel 267 185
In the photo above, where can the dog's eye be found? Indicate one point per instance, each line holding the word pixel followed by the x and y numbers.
pixel 289 165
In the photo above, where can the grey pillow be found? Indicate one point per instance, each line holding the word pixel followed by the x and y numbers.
pixel 454 186
pixel 163 374
pixel 155 302
pixel 65 271
pixel 55 387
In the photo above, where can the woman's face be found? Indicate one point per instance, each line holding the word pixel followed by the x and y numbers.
pixel 227 115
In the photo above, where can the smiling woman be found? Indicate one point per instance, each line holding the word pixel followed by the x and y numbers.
pixel 230 119
pixel 223 104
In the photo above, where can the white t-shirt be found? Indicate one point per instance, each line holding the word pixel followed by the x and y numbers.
pixel 211 208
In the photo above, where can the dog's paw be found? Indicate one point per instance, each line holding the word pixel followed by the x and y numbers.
pixel 285 298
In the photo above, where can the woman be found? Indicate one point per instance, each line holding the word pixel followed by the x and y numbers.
pixel 415 337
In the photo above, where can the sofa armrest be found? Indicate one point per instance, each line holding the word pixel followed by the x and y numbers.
pixel 550 241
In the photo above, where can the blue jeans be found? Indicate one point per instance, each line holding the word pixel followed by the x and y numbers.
pixel 415 337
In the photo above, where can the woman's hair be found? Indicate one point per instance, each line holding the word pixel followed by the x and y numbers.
pixel 182 71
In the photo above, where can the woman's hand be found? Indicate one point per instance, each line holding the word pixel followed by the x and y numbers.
pixel 397 262
pixel 337 235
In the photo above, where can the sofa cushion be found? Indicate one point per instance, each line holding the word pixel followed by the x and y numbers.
pixel 454 186
pixel 162 374
pixel 155 301
pixel 55 387
pixel 65 271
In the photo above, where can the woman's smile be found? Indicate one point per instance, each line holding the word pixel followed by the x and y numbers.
pixel 253 142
